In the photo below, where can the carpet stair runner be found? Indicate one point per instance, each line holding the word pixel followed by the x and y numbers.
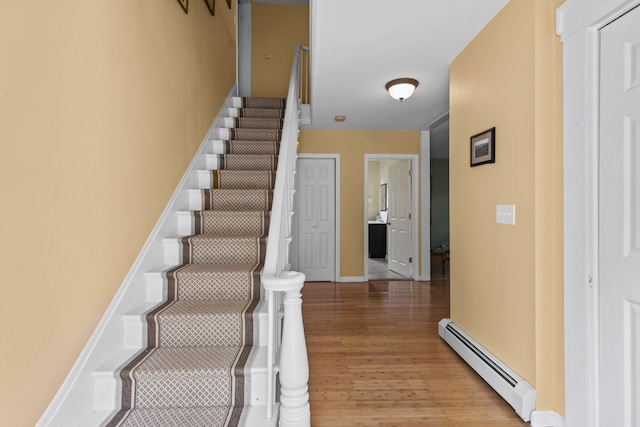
pixel 192 372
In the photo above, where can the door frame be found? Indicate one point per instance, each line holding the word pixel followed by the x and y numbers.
pixel 578 22
pixel 415 223
pixel 294 225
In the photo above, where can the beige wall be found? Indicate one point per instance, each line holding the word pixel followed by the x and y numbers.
pixel 102 106
pixel 276 29
pixel 506 281
pixel 352 145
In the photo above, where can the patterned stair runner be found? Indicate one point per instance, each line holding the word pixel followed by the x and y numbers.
pixel 198 340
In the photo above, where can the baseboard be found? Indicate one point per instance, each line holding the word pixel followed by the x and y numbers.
pixel 351 279
pixel 546 419
pixel 74 400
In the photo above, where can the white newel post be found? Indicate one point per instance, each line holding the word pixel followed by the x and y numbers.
pixel 294 364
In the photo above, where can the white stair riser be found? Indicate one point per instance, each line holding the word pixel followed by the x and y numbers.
pixel 172 251
pixel 106 391
pixel 195 200
pixel 216 147
pixel 204 179
pixel 213 162
pixel 185 223
pixel 229 122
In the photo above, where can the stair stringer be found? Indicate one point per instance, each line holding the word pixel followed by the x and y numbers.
pixel 75 401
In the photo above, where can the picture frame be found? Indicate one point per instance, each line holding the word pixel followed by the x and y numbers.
pixel 483 147
pixel 185 5
pixel 383 197
pixel 211 5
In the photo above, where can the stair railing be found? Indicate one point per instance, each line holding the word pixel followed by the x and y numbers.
pixel 283 287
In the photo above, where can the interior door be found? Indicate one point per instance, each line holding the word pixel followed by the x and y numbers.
pixel 619 223
pixel 316 218
pixel 399 218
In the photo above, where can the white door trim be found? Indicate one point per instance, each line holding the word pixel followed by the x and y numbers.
pixel 336 158
pixel 415 175
pixel 578 23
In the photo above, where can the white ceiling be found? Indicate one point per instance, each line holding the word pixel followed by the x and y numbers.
pixel 357 46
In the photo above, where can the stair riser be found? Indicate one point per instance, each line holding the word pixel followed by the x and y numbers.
pixel 173 255
pixel 107 389
pixel 135 325
pixel 195 203
pixel 247 147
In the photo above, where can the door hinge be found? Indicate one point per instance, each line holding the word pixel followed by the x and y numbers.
pixel 410 172
pixel 410 260
pixel 409 216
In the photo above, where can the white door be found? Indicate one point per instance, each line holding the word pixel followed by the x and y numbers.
pixel 316 218
pixel 399 218
pixel 619 223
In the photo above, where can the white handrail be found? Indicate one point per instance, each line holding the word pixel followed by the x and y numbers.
pixel 278 281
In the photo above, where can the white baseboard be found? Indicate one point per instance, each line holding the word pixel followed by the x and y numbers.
pixel 546 419
pixel 351 279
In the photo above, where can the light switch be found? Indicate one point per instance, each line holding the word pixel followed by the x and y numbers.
pixel 506 214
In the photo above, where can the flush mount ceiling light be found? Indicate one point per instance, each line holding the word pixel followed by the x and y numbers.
pixel 401 89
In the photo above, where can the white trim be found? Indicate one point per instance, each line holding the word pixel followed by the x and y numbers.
pixel 351 279
pixel 74 400
pixel 437 122
pixel 546 419
pixel 425 205
pixel 578 23
pixel 415 180
pixel 336 158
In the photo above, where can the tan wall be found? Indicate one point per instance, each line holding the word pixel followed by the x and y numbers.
pixel 102 106
pixel 352 145
pixel 549 268
pixel 506 281
pixel 276 29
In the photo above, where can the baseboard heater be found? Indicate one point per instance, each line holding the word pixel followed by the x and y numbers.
pixel 515 390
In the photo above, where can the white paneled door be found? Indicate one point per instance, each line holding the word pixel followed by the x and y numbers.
pixel 316 218
pixel 399 218
pixel 619 223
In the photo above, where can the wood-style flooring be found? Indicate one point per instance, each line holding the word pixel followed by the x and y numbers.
pixel 376 359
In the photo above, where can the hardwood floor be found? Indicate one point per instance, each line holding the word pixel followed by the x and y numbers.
pixel 376 359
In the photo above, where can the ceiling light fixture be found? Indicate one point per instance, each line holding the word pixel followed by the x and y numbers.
pixel 401 89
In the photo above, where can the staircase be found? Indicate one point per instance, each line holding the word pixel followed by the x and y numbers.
pixel 205 362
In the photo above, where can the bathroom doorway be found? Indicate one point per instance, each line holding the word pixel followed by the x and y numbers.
pixel 390 212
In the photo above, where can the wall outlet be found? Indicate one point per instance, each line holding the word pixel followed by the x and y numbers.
pixel 506 214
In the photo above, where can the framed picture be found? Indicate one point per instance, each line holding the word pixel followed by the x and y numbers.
pixel 211 4
pixel 185 5
pixel 483 147
pixel 229 3
pixel 383 197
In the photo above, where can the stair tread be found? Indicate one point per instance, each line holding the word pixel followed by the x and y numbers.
pixel 205 307
pixel 114 363
pixel 205 416
pixel 190 361
pixel 204 268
